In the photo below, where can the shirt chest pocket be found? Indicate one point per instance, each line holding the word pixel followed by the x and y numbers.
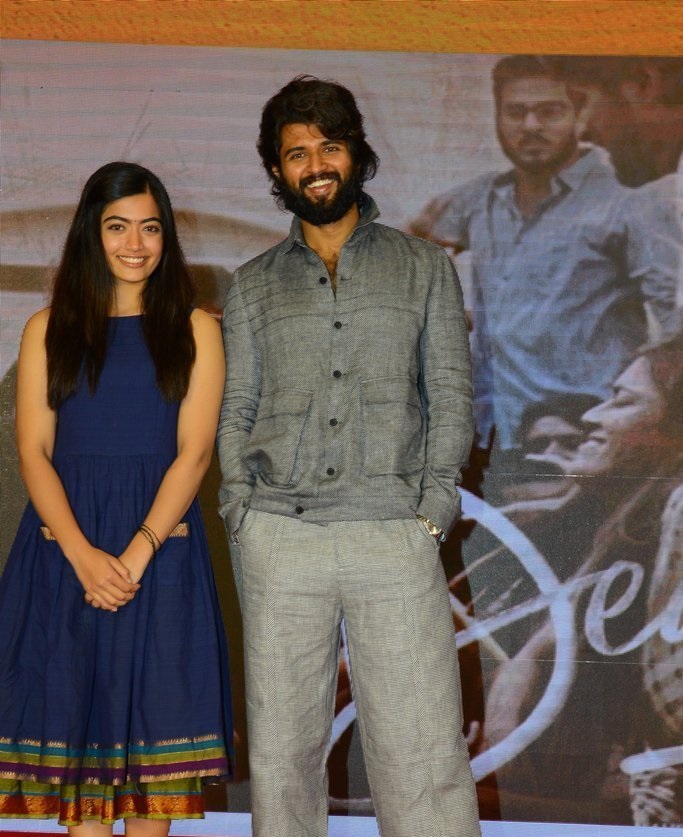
pixel 274 450
pixel 391 427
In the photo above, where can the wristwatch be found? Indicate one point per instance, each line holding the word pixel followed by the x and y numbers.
pixel 432 528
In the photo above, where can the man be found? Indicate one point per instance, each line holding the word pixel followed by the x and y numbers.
pixel 560 273
pixel 346 418
pixel 636 113
pixel 635 110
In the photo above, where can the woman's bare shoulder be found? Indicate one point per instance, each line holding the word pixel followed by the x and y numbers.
pixel 204 324
pixel 36 326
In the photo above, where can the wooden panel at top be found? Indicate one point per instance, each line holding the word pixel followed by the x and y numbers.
pixel 620 27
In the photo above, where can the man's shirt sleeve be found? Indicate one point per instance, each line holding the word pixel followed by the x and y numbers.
pixel 655 250
pixel 238 412
pixel 445 219
pixel 446 389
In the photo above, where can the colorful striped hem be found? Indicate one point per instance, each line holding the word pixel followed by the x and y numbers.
pixel 72 804
pixel 62 764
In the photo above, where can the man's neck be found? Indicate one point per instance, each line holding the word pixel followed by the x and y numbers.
pixel 534 187
pixel 659 134
pixel 666 154
pixel 328 239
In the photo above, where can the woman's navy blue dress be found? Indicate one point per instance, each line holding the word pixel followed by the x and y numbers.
pixel 140 695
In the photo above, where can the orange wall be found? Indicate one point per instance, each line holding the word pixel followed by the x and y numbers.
pixel 493 26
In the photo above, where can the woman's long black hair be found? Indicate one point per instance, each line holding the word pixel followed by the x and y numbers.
pixel 83 293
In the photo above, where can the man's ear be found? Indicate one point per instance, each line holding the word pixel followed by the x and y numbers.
pixel 275 172
pixel 644 86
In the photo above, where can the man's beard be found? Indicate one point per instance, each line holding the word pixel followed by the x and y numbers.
pixel 552 164
pixel 632 160
pixel 319 213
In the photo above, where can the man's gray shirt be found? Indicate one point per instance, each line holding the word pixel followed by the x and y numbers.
pixel 349 407
pixel 558 298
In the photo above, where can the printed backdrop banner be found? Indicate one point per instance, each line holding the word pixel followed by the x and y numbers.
pixel 565 573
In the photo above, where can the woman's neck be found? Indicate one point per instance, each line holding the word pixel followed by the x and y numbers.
pixel 127 303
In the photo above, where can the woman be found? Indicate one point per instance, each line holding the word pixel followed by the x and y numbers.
pixel 630 699
pixel 114 688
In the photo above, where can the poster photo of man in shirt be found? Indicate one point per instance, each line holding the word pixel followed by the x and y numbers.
pixel 562 273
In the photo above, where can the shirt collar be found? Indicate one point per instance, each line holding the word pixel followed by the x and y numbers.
pixel 368 213
pixel 571 178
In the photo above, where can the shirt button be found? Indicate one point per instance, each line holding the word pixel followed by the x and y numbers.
pixel 333 422
pixel 323 280
pixel 330 472
pixel 337 373
pixel 337 324
pixel 299 509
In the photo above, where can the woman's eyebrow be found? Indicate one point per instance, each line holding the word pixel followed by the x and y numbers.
pixel 130 220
